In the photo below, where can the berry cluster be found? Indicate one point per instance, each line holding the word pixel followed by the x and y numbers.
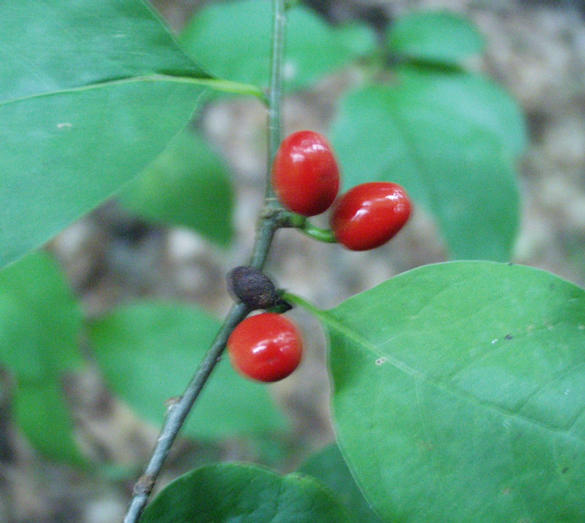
pixel 268 347
pixel 306 178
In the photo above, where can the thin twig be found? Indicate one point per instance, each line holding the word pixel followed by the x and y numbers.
pixel 177 413
pixel 275 90
pixel 268 224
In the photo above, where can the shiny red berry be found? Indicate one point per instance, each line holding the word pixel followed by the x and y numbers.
pixel 305 174
pixel 266 347
pixel 369 215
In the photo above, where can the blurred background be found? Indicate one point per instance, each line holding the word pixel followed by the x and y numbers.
pixel 535 50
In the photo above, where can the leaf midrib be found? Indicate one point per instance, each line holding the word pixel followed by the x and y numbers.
pixel 222 85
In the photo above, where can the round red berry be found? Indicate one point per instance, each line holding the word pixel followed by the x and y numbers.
pixel 266 347
pixel 305 174
pixel 369 215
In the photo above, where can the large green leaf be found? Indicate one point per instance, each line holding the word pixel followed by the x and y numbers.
pixel 243 27
pixel 238 492
pixel 329 467
pixel 459 393
pixel 90 93
pixel 434 36
pixel 40 322
pixel 450 139
pixel 188 184
pixel 149 351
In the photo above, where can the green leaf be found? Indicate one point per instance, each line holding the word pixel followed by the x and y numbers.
pixel 40 320
pixel 313 48
pixel 449 139
pixel 148 353
pixel 188 184
pixel 90 93
pixel 43 415
pixel 238 492
pixel 434 36
pixel 459 393
pixel 468 98
pixel 329 467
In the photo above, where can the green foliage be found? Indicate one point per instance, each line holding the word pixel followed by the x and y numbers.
pixel 189 185
pixel 39 320
pixel 457 388
pixel 313 48
pixel 329 467
pixel 238 492
pixel 89 119
pixel 40 323
pixel 42 414
pixel 462 397
pixel 148 352
pixel 437 37
pixel 450 139
pixel 83 92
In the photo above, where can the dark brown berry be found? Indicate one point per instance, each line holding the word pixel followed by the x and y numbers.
pixel 252 287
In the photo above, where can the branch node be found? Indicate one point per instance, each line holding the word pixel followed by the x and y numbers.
pixel 171 402
pixel 144 485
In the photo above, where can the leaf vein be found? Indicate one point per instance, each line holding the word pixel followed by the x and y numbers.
pixel 338 326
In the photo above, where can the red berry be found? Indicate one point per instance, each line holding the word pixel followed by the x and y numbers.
pixel 369 215
pixel 266 347
pixel 305 174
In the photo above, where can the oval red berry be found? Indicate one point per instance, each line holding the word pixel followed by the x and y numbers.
pixel 266 347
pixel 369 215
pixel 305 174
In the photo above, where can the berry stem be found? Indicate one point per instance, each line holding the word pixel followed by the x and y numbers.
pixel 291 219
pixel 268 224
pixel 317 233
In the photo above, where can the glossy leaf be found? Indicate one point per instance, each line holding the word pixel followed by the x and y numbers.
pixel 90 93
pixel 238 492
pixel 189 185
pixel 450 140
pixel 40 322
pixel 243 27
pixel 459 393
pixel 148 353
pixel 329 467
pixel 434 36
